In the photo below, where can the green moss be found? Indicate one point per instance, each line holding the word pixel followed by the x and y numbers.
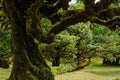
pixel 31 76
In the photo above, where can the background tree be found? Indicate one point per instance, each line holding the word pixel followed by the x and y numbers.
pixel 108 43
pixel 63 47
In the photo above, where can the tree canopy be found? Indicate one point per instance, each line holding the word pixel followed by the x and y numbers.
pixel 59 14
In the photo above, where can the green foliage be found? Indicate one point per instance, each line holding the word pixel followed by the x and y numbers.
pixel 79 6
pixel 86 38
pixel 110 57
pixel 64 42
pixel 5 42
pixel 60 69
pixel 46 25
pixel 63 68
pixel 108 42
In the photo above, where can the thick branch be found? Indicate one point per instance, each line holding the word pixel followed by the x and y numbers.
pixel 83 16
pixel 115 20
pixel 109 22
pixel 57 17
pixel 80 17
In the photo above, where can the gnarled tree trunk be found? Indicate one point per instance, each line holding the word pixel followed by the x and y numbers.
pixel 28 62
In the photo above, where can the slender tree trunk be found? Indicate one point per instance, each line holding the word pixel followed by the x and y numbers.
pixel 56 60
pixel 28 62
pixel 104 61
pixel 116 62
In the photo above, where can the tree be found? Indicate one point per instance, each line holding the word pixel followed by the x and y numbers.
pixel 63 46
pixel 107 43
pixel 84 44
pixel 25 15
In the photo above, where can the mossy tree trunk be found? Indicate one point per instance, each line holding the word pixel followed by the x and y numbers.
pixel 28 62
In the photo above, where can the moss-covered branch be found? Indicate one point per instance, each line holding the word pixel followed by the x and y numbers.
pixel 83 16
pixel 57 17
pixel 110 23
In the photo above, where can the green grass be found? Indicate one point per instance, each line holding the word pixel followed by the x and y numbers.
pixel 103 70
pixel 95 71
pixel 99 69
pixel 4 73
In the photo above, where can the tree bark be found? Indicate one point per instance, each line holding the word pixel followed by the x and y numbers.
pixel 28 63
pixel 56 60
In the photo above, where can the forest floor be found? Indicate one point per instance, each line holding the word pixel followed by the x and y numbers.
pixel 95 71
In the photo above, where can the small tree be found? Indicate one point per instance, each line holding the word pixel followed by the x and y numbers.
pixel 62 47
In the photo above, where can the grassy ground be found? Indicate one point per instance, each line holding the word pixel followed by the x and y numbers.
pixel 92 73
pixel 81 75
pixel 4 73
pixel 95 71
